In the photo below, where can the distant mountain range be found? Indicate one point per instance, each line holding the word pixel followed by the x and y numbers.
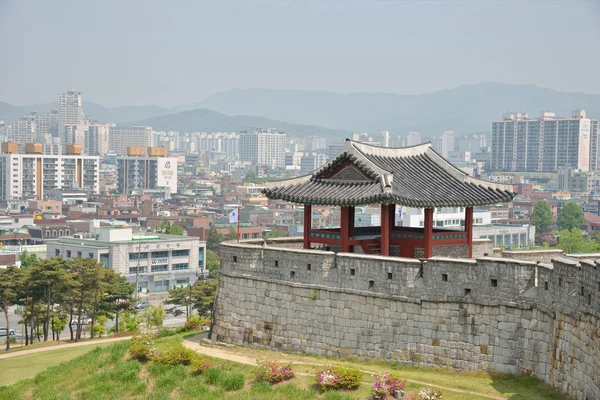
pixel 465 109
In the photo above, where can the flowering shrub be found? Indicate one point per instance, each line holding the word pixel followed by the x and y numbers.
pixel 386 385
pixel 338 377
pixel 141 347
pixel 273 372
pixel 175 355
pixel 199 366
pixel 424 394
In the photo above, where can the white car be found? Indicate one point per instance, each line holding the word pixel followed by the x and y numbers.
pixel 84 321
pixel 11 332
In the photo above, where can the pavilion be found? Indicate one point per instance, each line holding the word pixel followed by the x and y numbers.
pixel 362 174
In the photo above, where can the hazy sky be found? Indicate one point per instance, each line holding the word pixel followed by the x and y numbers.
pixel 124 52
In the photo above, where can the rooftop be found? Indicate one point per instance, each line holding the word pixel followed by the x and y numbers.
pixel 412 176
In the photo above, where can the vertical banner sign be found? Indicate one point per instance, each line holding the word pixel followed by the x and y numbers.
pixel 167 173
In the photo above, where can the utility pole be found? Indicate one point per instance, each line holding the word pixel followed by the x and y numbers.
pixel 137 272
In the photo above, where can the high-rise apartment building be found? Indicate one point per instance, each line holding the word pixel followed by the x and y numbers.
pixel 47 124
pixel 121 138
pixel 385 138
pixel 139 171
pixel 70 109
pixel 444 144
pixel 545 144
pixel 22 130
pixel 34 173
pixel 97 139
pixel 413 139
pixel 313 143
pixel 311 161
pixel 263 147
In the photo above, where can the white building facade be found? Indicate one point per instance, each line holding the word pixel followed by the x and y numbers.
pixel 263 147
pixel 154 262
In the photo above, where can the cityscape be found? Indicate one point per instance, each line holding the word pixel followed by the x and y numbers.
pixel 292 238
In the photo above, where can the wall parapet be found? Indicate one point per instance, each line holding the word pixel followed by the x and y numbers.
pixel 507 314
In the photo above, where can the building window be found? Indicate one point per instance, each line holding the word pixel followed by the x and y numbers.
pixel 61 233
pixel 160 254
pixel 68 232
pixel 234 259
pixel 371 284
pixel 181 253
pixel 389 275
pixel 47 233
pixel 56 252
pixel 546 285
pixel 68 253
pixel 79 254
pixel 182 282
pixel 292 274
pixel 444 277
pixel 90 255
pixel 160 268
pixel 352 272
pixel 276 263
pixel 308 267
pixel 494 282
pixel 54 233
pixel 179 267
pixel 467 292
pixel 134 270
pixel 135 256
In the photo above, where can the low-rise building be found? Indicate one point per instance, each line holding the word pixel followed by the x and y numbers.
pixel 154 262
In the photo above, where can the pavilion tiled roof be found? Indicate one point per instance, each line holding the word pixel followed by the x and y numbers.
pixel 412 176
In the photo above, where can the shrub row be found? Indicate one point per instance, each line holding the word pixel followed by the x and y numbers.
pixel 338 377
pixel 273 372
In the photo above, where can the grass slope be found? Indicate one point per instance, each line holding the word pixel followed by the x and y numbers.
pixel 108 373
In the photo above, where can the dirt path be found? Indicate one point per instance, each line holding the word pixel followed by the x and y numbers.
pixel 61 346
pixel 224 354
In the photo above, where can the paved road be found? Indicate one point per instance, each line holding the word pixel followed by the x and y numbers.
pixel 14 319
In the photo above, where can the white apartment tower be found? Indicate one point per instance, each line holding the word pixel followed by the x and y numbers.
pixel 545 144
pixel 70 109
pixel 263 147
pixel 34 173
pixel 140 171
pixel 121 138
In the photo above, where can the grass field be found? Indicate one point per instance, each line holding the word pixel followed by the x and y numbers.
pixel 108 373
pixel 28 365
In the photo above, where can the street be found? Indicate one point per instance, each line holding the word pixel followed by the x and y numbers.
pixel 154 300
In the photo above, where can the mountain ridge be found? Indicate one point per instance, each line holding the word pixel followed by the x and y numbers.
pixel 464 109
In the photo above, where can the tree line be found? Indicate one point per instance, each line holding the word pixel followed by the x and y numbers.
pixel 51 293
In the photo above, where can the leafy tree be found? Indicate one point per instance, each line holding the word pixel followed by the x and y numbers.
pixel 176 230
pixel 59 322
pixel 87 284
pixel 570 217
pixel 214 239
pixel 541 216
pixel 10 279
pixel 213 263
pixel 573 241
pixel 231 235
pixel 154 316
pixel 203 296
pixel 275 233
pixel 117 297
pixel 180 296
pixel 27 260
pixel 169 228
pixel 100 327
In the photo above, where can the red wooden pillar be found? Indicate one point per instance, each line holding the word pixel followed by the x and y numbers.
pixel 307 225
pixel 385 230
pixel 345 229
pixel 392 213
pixel 469 229
pixel 428 233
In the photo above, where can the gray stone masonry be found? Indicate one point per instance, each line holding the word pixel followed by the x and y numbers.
pixel 504 314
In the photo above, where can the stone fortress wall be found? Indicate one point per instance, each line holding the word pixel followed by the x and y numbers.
pixel 493 313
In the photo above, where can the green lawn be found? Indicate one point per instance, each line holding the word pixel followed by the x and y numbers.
pixel 26 366
pixel 108 373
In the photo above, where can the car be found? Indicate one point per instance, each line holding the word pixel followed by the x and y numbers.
pixel 84 321
pixel 11 332
pixel 142 304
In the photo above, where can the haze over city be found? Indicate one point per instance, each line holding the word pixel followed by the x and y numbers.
pixel 153 52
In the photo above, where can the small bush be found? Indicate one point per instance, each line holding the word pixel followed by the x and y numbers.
pixel 232 381
pixel 175 355
pixel 142 347
pixel 200 366
pixel 424 394
pixel 213 375
pixel 192 323
pixel 386 385
pixel 166 333
pixel 273 372
pixel 339 377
